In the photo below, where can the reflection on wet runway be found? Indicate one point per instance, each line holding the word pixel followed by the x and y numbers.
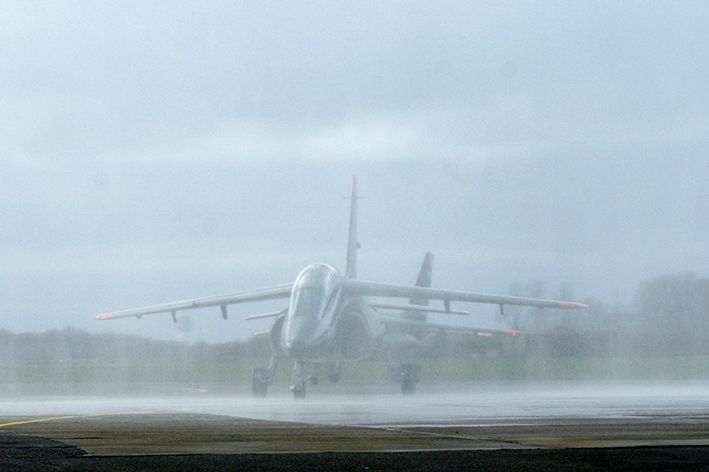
pixel 208 420
pixel 383 406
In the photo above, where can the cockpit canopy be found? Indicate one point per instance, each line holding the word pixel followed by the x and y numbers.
pixel 314 291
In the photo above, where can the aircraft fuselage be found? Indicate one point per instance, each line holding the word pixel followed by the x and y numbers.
pixel 323 325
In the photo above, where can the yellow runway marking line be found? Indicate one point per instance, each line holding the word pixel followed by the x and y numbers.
pixel 58 418
pixel 36 420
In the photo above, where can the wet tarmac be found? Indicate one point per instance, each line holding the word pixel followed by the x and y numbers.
pixel 334 420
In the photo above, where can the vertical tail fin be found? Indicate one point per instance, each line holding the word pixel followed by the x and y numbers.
pixel 423 280
pixel 352 244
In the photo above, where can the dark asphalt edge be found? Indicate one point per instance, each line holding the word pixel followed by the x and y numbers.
pixel 20 452
pixel 647 459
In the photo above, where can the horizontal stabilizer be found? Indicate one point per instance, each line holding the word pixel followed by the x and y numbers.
pixel 450 328
pixel 264 315
pixel 417 308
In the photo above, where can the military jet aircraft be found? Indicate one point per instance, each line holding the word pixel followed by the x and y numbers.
pixel 331 318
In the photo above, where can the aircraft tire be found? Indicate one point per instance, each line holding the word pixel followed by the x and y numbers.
pixel 299 389
pixel 409 377
pixel 259 383
pixel 334 374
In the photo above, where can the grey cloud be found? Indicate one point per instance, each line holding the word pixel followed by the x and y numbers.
pixel 159 151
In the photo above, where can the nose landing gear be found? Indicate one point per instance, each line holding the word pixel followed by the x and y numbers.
pixel 298 388
pixel 263 377
pixel 299 378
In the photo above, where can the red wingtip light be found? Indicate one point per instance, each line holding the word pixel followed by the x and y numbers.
pixel 571 305
pixel 104 316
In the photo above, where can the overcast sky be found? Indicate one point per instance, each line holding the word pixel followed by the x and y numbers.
pixel 158 151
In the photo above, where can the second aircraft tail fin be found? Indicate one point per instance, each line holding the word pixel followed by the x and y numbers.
pixel 423 280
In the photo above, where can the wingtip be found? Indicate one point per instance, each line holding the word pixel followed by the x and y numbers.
pixel 104 316
pixel 571 305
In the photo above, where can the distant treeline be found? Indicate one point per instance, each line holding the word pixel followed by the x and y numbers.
pixel 669 315
pixel 73 344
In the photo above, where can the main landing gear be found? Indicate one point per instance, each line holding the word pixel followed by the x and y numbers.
pixel 408 375
pixel 315 376
pixel 263 377
pixel 334 373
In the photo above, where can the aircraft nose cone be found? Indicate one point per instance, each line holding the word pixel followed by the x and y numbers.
pixel 298 336
pixel 297 348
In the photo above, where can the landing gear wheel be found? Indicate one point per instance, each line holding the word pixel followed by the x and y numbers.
pixel 334 373
pixel 298 389
pixel 409 378
pixel 259 382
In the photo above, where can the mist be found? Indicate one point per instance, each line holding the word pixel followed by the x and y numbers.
pixel 164 152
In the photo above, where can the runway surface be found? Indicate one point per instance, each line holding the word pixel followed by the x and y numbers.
pixel 455 420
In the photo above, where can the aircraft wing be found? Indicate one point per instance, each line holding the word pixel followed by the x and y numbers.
pixel 417 308
pixel 269 293
pixel 376 289
pixel 393 320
